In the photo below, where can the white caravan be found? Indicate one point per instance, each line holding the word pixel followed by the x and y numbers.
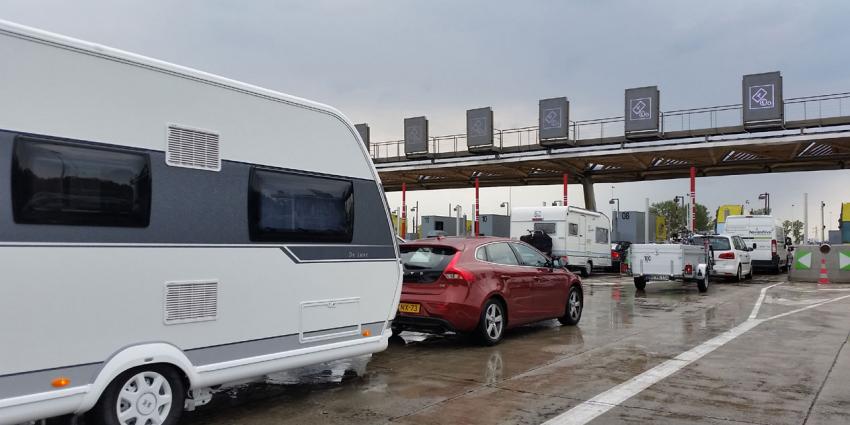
pixel 164 230
pixel 767 238
pixel 579 236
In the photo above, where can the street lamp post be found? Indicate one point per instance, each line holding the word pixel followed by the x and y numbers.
pixel 415 219
pixel 616 223
pixel 681 200
pixel 766 197
pixel 507 206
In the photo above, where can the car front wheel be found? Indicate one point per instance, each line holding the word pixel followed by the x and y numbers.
pixel 575 304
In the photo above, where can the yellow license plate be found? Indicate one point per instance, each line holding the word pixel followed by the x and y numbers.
pixel 408 308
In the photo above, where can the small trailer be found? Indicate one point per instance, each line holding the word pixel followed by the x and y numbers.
pixel 660 262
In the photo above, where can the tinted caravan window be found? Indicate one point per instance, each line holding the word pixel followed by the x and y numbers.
pixel 289 207
pixel 54 183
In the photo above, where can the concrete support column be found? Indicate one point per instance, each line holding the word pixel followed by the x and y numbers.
pixel 589 195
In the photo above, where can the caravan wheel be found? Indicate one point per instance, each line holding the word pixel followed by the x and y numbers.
pixel 587 269
pixel 145 395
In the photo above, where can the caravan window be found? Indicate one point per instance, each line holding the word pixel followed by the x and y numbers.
pixel 55 183
pixel 601 235
pixel 289 207
pixel 573 229
pixel 548 228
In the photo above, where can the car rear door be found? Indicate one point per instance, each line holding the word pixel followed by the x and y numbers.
pixel 744 253
pixel 516 282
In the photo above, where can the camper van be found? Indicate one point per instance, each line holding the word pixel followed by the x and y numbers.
pixel 164 231
pixel 765 236
pixel 579 236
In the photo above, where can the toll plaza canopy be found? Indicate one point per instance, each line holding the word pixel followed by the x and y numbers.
pixel 763 134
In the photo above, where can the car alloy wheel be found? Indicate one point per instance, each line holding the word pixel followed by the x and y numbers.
pixel 494 321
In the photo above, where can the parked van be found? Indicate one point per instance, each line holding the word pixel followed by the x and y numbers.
pixel 765 236
pixel 164 230
pixel 581 238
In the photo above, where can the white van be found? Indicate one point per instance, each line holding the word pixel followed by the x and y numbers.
pixel 579 236
pixel 164 230
pixel 765 236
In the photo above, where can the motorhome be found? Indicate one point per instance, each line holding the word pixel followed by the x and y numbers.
pixel 579 236
pixel 765 236
pixel 164 230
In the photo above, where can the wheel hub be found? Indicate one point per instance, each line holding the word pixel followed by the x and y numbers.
pixel 147 403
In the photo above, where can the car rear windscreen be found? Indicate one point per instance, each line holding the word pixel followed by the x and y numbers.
pixel 425 264
pixel 717 244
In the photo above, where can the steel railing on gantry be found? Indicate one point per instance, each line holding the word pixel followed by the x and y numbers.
pixel 808 111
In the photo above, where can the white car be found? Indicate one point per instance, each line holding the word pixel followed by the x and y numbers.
pixel 731 256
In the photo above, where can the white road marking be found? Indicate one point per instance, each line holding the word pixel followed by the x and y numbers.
pixel 591 409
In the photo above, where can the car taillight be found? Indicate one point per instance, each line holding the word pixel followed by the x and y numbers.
pixel 615 255
pixel 689 269
pixel 726 256
pixel 773 247
pixel 453 273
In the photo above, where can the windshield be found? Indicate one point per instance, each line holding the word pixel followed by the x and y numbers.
pixel 718 243
pixel 425 264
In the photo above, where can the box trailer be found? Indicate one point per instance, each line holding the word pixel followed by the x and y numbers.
pixel 663 262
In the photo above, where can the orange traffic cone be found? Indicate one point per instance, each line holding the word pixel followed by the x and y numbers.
pixel 824 279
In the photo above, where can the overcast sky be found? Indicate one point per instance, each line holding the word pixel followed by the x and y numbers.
pixel 382 61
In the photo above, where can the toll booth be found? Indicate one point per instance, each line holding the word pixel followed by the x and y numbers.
pixel 495 225
pixel 439 225
pixel 844 222
pixel 630 226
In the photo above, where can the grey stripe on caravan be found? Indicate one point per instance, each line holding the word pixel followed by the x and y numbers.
pixel 40 381
pixel 319 253
pixel 25 383
pixel 298 253
pixel 259 347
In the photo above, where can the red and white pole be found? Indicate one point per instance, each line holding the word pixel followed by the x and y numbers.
pixel 693 199
pixel 403 210
pixel 477 211
pixel 566 179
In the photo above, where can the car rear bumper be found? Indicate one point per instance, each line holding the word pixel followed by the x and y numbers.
pixel 437 315
pixel 722 269
pixel 422 324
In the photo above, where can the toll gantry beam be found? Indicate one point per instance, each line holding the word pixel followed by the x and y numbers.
pixel 716 140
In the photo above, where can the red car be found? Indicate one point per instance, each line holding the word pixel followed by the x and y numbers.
pixel 482 286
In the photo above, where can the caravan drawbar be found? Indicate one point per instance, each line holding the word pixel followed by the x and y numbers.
pixel 164 230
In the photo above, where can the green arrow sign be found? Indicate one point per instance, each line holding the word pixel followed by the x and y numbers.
pixel 844 260
pixel 804 261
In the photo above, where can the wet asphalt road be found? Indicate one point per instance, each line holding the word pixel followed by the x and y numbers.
pixel 793 369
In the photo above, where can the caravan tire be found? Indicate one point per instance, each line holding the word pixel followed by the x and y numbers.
pixel 150 394
pixel 587 270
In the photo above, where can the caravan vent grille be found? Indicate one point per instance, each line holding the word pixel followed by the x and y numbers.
pixel 191 301
pixel 192 148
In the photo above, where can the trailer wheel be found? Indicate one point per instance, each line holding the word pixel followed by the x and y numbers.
pixel 152 394
pixel 702 284
pixel 640 283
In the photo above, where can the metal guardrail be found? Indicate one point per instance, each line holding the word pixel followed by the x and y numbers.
pixel 717 118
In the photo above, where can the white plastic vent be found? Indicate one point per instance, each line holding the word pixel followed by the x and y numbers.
pixel 192 148
pixel 194 301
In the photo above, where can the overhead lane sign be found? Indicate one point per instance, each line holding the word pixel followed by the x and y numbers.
pixel 554 121
pixel 762 100
pixel 642 111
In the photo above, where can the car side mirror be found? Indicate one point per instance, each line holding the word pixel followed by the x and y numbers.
pixel 556 263
pixel 754 246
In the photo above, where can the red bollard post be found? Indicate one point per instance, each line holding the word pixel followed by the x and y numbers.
pixel 566 179
pixel 477 211
pixel 403 217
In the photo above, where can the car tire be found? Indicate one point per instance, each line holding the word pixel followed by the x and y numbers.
pixel 749 275
pixel 640 283
pixel 737 277
pixel 702 284
pixel 491 324
pixel 156 393
pixel 575 305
